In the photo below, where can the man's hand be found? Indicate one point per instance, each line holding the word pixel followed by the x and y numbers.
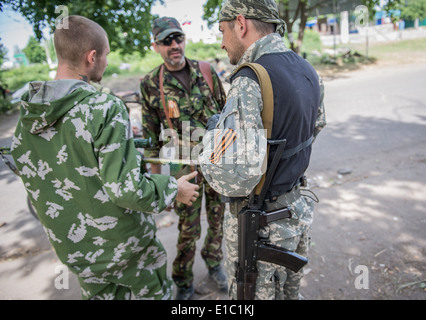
pixel 187 192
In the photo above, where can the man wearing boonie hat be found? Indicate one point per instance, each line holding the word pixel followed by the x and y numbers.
pixel 252 32
pixel 189 102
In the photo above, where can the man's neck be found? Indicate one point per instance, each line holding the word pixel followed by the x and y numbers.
pixel 183 76
pixel 67 72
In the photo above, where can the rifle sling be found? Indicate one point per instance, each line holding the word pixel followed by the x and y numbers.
pixel 268 109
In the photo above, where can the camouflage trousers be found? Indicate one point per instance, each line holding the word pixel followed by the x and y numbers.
pixel 150 282
pixel 274 282
pixel 190 231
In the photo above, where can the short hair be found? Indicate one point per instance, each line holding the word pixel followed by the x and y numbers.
pixel 264 28
pixel 79 36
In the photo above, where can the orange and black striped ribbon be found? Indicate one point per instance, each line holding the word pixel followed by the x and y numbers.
pixel 221 146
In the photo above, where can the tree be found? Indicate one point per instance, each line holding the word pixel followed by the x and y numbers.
pixel 3 53
pixel 414 9
pixel 301 13
pixel 4 102
pixel 127 22
pixel 211 11
pixel 34 51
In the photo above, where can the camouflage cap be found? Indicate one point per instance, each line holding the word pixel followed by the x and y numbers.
pixel 263 10
pixel 165 26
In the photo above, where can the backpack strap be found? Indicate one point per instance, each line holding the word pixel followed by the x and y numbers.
pixel 268 108
pixel 207 74
pixel 163 99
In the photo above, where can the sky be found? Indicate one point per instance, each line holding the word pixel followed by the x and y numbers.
pixel 15 30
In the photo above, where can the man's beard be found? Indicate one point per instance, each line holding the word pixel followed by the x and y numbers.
pixel 96 74
pixel 174 62
pixel 236 54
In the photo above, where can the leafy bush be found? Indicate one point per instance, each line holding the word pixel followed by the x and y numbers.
pixel 16 78
pixel 202 51
pixel 112 68
pixel 5 105
pixel 311 41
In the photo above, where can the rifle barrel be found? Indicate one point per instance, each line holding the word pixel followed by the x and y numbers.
pixel 170 161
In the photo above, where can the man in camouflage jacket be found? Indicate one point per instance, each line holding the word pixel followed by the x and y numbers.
pixel 190 103
pixel 252 32
pixel 74 149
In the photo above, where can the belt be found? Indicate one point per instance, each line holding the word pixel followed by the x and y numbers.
pixel 284 200
pixel 279 202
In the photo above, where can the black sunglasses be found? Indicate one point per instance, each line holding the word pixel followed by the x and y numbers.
pixel 179 38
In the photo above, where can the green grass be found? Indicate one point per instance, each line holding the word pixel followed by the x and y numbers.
pixel 16 78
pixel 395 50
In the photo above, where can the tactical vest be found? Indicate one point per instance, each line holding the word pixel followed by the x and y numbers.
pixel 296 92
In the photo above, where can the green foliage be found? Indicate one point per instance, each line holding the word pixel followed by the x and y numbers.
pixel 136 64
pixel 127 23
pixel 5 105
pixel 16 78
pixel 151 60
pixel 3 52
pixel 311 41
pixel 34 51
pixel 413 9
pixel 202 51
pixel 211 11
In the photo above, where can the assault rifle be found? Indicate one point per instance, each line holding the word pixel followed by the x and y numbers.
pixel 250 247
pixel 175 164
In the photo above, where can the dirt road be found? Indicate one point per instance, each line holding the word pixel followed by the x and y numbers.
pixel 368 170
pixel 371 221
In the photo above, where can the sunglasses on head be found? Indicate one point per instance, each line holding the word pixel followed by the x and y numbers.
pixel 179 38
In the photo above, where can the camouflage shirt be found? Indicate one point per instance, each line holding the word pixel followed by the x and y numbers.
pixel 234 169
pixel 191 109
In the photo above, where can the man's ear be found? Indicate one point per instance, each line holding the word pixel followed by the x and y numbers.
pixel 155 46
pixel 241 25
pixel 90 57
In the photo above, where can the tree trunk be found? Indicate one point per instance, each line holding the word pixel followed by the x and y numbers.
pixel 302 26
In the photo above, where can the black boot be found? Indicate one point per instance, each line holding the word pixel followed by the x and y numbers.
pixel 219 277
pixel 185 293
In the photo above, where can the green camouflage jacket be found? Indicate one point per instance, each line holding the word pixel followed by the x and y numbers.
pixel 74 149
pixel 195 107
